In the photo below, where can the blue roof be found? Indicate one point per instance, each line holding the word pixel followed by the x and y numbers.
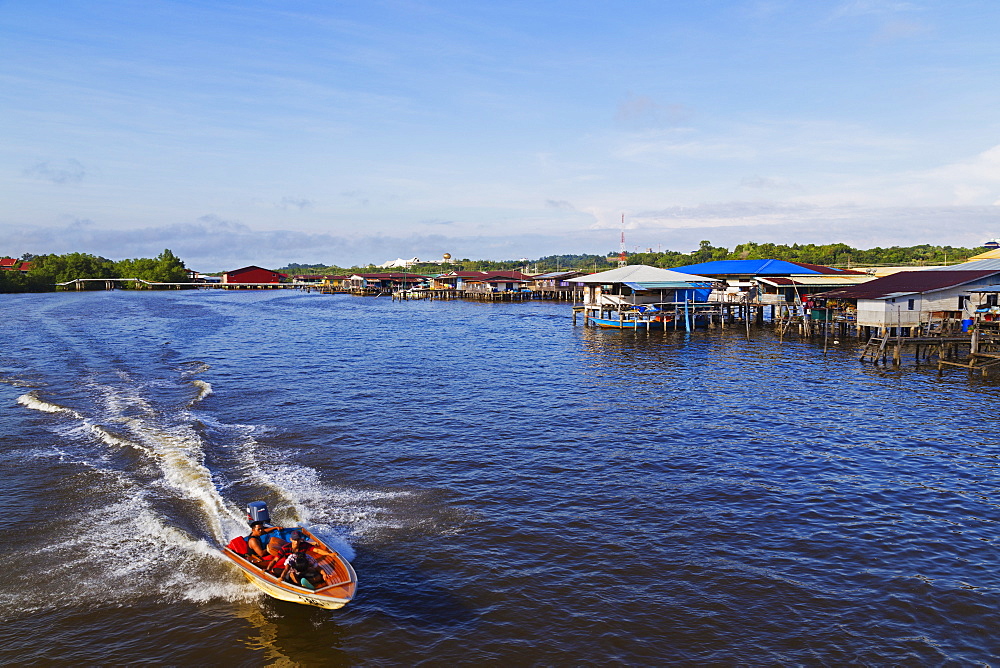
pixel 667 285
pixel 753 268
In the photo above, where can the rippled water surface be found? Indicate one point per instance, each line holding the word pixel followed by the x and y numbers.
pixel 511 489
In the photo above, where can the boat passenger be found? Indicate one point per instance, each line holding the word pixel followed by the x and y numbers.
pixel 300 543
pixel 303 570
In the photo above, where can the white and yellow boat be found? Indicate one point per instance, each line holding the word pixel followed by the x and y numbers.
pixel 336 593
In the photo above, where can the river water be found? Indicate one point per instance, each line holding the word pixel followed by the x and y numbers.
pixel 511 489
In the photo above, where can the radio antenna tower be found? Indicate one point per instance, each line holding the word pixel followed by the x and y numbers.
pixel 622 262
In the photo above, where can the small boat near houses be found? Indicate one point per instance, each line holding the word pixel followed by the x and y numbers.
pixel 642 317
pixel 337 589
pixel 639 297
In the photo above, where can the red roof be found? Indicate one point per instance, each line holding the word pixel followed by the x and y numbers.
pixel 13 264
pixel 254 273
pixel 909 282
pixel 781 280
pixel 462 273
pixel 250 268
pixel 515 275
pixel 500 279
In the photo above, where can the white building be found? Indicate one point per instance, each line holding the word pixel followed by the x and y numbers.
pixel 912 298
pixel 399 263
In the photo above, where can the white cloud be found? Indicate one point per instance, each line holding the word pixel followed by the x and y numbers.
pixel 213 243
pixel 295 203
pixel 972 181
pixel 60 172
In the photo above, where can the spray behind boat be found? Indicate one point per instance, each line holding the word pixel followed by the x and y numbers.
pixel 257 512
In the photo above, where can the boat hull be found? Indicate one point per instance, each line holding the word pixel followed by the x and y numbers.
pixel 329 597
pixel 608 323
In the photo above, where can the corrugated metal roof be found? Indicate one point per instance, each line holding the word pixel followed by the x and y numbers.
pixel 639 273
pixel 759 268
pixel 992 254
pixel 853 279
pixel 819 281
pixel 558 274
pixel 909 282
pixel 971 265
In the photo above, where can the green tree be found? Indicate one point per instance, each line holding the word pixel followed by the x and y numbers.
pixel 164 268
pixel 52 269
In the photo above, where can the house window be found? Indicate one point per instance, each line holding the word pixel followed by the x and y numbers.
pixel 961 302
pixel 991 300
pixel 909 304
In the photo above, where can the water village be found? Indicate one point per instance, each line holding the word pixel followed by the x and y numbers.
pixel 943 316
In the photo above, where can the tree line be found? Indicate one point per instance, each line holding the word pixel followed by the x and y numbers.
pixel 48 270
pixel 834 255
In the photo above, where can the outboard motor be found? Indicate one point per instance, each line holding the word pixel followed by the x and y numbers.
pixel 257 512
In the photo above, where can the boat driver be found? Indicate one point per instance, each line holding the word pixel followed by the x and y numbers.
pixel 264 547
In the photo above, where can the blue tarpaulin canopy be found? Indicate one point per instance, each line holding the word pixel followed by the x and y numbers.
pixel 695 291
pixel 661 285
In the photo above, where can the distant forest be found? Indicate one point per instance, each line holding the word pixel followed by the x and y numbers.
pixel 834 255
pixel 48 270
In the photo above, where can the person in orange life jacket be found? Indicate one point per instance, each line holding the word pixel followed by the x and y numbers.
pixel 300 542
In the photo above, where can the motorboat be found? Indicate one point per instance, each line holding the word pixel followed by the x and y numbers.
pixel 338 588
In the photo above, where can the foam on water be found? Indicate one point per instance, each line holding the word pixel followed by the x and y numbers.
pixel 204 389
pixel 17 382
pixel 194 367
pixel 323 507
pixel 177 451
pixel 170 560
pixel 326 509
pixel 246 462
pixel 126 553
pixel 32 401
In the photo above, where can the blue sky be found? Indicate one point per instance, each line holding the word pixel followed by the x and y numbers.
pixel 336 132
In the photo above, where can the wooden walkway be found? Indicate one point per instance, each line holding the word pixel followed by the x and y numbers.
pixel 973 353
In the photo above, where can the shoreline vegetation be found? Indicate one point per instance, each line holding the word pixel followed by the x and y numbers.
pixel 47 270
